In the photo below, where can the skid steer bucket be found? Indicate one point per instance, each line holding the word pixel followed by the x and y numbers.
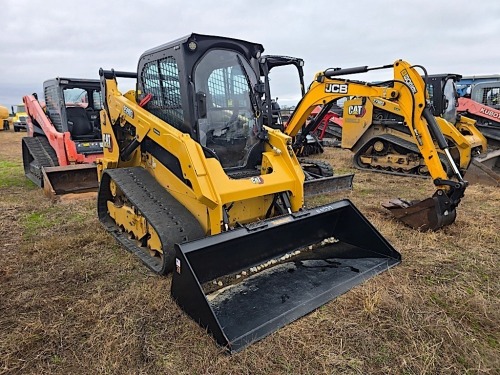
pixel 275 271
pixel 78 178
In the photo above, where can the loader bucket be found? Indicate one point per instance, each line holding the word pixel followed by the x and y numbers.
pixel 78 178
pixel 485 170
pixel 424 215
pixel 277 270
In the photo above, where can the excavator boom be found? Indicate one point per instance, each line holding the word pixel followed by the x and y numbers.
pixel 406 93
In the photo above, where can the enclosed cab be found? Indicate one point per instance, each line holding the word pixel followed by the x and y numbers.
pixel 80 113
pixel 64 135
pixel 218 108
pixel 443 95
pixel 444 101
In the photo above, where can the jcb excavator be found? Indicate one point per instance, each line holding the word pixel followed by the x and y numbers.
pixel 399 153
pixel 387 144
pixel 192 180
pixel 64 138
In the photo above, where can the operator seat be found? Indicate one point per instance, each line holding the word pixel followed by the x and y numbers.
pixel 79 124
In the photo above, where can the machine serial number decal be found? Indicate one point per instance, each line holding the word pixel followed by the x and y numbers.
pixel 408 81
pixel 336 88
pixel 128 111
pixel 106 141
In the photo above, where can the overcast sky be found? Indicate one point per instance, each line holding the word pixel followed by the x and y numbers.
pixel 48 38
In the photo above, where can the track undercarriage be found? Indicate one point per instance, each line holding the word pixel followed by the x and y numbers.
pixel 144 218
pixel 37 153
pixel 393 155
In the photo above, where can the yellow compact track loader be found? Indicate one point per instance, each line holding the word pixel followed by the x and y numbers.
pixel 192 180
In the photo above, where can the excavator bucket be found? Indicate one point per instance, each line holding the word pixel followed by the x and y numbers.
pixel 424 215
pixel 70 179
pixel 244 284
pixel 485 170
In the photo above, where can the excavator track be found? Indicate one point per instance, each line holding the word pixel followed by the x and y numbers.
pixel 37 153
pixel 417 171
pixel 137 190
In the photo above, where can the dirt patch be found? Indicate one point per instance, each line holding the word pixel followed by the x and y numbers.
pixel 72 301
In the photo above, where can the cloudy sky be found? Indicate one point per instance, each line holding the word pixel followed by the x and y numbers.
pixel 48 38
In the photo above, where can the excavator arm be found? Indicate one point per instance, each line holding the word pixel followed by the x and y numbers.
pixel 407 91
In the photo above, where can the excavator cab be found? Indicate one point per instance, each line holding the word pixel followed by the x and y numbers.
pixel 443 95
pixel 445 101
pixel 193 182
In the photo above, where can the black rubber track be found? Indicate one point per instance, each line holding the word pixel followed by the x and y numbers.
pixel 401 143
pixel 316 167
pixel 37 153
pixel 170 219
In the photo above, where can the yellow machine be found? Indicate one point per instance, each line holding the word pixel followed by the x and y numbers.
pixel 386 147
pixel 376 132
pixel 375 129
pixel 4 118
pixel 19 117
pixel 192 180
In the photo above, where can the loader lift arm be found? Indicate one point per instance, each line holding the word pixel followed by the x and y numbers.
pixel 407 90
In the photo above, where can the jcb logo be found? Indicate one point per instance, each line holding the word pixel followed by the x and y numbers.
pixel 408 81
pixel 356 110
pixel 106 141
pixel 335 88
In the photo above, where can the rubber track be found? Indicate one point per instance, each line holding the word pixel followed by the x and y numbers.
pixel 313 166
pixel 43 156
pixel 397 141
pixel 171 220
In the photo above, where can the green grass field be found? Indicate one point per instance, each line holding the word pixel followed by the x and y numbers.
pixel 74 302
